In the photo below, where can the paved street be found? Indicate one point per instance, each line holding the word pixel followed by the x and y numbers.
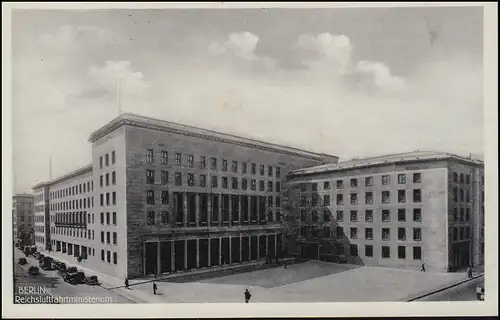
pixel 51 283
pixel 463 292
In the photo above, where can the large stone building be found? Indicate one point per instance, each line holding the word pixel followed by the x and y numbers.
pixel 163 197
pixel 397 210
pixel 23 218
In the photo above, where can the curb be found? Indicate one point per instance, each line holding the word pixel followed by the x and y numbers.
pixel 445 288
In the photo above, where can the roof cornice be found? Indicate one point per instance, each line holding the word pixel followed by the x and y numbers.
pixel 69 175
pixel 163 126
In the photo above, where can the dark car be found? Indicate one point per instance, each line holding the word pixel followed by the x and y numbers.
pixel 33 271
pixel 92 281
pixel 71 270
pixel 22 261
pixel 75 277
pixel 340 259
pixel 46 263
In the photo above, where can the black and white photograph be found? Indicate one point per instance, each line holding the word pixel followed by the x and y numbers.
pixel 249 156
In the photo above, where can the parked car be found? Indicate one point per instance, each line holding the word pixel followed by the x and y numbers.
pixel 480 293
pixel 22 261
pixel 92 281
pixel 33 271
pixel 75 277
pixel 71 270
pixel 46 263
pixel 340 259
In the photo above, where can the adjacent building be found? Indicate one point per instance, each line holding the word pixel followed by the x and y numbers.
pixel 161 197
pixel 399 210
pixel 23 218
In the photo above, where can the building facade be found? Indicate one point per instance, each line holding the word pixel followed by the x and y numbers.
pixel 399 210
pixel 41 216
pixel 166 197
pixel 23 218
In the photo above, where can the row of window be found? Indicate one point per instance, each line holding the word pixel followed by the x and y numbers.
pixel 108 220
pixel 108 238
pixel 385 251
pixel 40 239
pixel 459 195
pixel 107 196
pixel 73 190
pixel 72 232
pixel 106 176
pixel 354 182
pixel 76 204
pixel 202 164
pixel 71 217
pixel 385 234
pixel 106 159
pixel 353 198
pixel 39 229
pixel 385 217
pixel 108 256
pixel 462 233
pixel 38 197
pixel 39 219
pixel 214 181
pixel 461 214
pixel 464 178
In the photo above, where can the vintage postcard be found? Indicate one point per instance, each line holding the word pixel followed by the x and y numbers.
pixel 251 159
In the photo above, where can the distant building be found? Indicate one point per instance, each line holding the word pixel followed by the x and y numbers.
pixel 397 210
pixel 161 197
pixel 23 218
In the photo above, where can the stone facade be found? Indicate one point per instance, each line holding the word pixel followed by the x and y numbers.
pixel 23 218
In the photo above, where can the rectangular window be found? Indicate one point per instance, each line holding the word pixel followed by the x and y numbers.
pixel 369 181
pixel 417 234
pixel 164 217
pixel 190 178
pixel 401 215
pixel 462 178
pixel 303 216
pixel 354 183
pixel 151 217
pixel 354 233
pixel 368 251
pixel 314 187
pixel 278 186
pixel 278 172
pixel 467 214
pixel 261 185
pixel 115 258
pixel 340 215
pixel 278 201
pixel 107 159
pixel 114 197
pixel 368 233
pixel 214 182
pixel 386 216
pixel 417 253
pixel 401 178
pixel 354 198
pixel 164 157
pixel 107 218
pixel 164 197
pixel 340 199
pixel 326 185
pixel 417 177
pixel 102 255
pixel 269 186
pixel 113 177
pixel 402 234
pixel 108 238
pixel 455 177
pixel 149 155
pixel 467 178
pixel 244 184
pixel 254 168
pixel 326 215
pixel 262 169
pixel 314 200
pixel 102 236
pixel 303 187
pixel 386 252
pixel 417 215
pixel 150 177
pixel 386 234
pixel 270 171
pixel 178 179
pixel 150 196
pixel 234 183
pixel 368 215
pixel 455 194
pixel 107 198
pixel 340 184
pixel 368 197
pixel 386 180
pixel 213 163
pixel 225 183
pixel 354 215
pixel 326 200
pixel 235 166
pixel 100 162
pixel 339 232
pixel 224 165
pixel 114 218
pixel 101 181
pixel 417 195
pixel 164 177
pixel 190 161
pixel 386 197
pixel 102 218
pixel 203 180
pixel 401 196
pixel 401 252
pixel 203 162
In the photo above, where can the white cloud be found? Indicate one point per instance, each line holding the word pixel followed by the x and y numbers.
pixel 336 48
pixel 107 77
pixel 242 44
pixel 381 75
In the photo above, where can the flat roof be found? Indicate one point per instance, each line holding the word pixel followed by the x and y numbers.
pixel 66 176
pixel 23 195
pixel 135 120
pixel 415 156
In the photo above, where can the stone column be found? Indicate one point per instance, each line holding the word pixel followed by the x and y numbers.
pixel 219 214
pixel 158 257
pixel 230 209
pixel 185 253
pixel 197 206
pixel 197 253
pixel 185 207
pixel 209 209
pixel 172 255
pixel 209 253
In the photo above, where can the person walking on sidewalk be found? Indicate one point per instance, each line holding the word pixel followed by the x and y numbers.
pixel 423 267
pixel 155 287
pixel 126 284
pixel 248 295
pixel 469 272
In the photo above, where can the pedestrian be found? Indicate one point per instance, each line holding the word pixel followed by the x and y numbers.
pixel 248 295
pixel 155 287
pixel 285 264
pixel 469 272
pixel 423 267
pixel 126 284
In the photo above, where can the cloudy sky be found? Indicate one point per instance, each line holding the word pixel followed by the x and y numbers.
pixel 350 82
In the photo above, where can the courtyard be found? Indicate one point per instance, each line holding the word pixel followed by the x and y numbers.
pixel 311 281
